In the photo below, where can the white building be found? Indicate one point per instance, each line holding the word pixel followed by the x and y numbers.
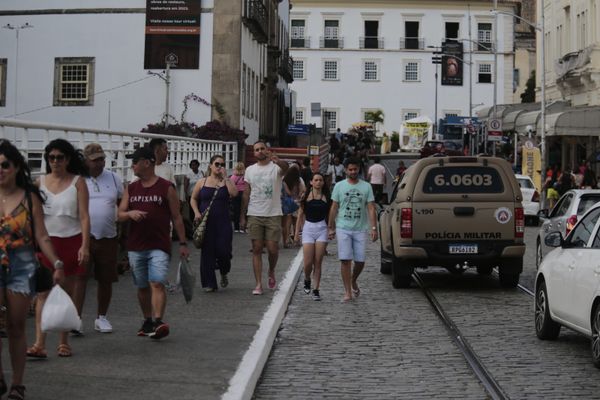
pixel 367 55
pixel 82 63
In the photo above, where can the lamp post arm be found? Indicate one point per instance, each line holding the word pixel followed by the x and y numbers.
pixel 535 26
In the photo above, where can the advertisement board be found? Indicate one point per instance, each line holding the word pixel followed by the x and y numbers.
pixel 452 63
pixel 172 34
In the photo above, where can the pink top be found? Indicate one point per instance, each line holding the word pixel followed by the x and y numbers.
pixel 239 182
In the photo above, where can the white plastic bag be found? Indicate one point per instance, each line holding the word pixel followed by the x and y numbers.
pixel 59 313
pixel 186 279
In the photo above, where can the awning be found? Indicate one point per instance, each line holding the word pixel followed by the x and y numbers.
pixel 527 119
pixel 577 121
pixel 508 122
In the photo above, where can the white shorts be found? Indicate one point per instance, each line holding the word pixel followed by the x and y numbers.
pixel 314 232
pixel 351 245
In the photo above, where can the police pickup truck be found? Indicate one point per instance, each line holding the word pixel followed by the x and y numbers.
pixel 457 213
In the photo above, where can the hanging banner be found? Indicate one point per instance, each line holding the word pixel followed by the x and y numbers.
pixel 532 164
pixel 172 34
pixel 452 63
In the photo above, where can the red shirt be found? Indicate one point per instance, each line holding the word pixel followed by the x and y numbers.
pixel 152 232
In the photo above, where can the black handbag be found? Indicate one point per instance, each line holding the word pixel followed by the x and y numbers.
pixel 42 279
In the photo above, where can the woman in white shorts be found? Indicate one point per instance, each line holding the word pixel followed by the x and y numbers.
pixel 312 221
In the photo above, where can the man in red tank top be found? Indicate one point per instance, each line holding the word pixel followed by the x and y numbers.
pixel 151 203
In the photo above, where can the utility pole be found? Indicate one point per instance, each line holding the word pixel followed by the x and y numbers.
pixel 167 84
pixel 495 47
pixel 436 59
pixel 471 142
pixel 17 29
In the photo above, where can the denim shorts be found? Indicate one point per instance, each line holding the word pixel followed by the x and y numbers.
pixel 314 232
pixel 351 245
pixel 149 266
pixel 22 264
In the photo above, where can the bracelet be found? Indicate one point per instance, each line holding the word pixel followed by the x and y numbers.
pixel 183 243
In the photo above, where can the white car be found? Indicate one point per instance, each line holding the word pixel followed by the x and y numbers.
pixel 567 285
pixel 531 199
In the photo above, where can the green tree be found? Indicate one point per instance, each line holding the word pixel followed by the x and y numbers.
pixel 528 96
pixel 374 117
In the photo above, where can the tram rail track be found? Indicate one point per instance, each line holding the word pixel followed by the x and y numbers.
pixel 491 386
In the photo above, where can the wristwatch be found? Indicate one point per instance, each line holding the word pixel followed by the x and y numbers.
pixel 373 228
pixel 58 264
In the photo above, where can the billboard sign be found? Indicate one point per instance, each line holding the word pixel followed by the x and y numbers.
pixel 452 63
pixel 298 130
pixel 172 33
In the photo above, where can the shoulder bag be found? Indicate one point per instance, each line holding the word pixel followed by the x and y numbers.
pixel 200 230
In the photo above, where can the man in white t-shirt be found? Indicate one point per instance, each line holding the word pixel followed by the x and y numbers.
pixel 105 188
pixel 161 152
pixel 376 176
pixel 261 202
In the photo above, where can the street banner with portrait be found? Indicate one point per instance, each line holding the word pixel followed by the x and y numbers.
pixel 172 34
pixel 452 63
pixel 532 164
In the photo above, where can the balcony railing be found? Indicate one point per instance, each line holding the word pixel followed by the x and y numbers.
pixel 256 19
pixel 300 43
pixel 286 67
pixel 412 43
pixel 326 42
pixel 371 42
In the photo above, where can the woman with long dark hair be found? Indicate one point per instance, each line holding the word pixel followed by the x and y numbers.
pixel 21 227
pixel 312 222
pixel 216 247
pixel 68 223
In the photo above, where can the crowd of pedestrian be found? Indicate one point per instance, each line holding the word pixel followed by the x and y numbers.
pixel 558 181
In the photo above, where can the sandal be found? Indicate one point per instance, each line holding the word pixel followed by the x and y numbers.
pixel 64 350
pixel 17 392
pixel 36 351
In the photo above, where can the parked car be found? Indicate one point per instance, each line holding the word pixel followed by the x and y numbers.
pixel 447 148
pixel 567 286
pixel 531 199
pixel 456 213
pixel 563 217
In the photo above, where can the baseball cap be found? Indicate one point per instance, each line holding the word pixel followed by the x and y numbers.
pixel 93 151
pixel 143 152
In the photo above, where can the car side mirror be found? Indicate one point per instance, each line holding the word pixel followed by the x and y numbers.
pixel 543 213
pixel 554 239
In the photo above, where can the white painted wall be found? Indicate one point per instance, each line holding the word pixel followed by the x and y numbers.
pixel 117 43
pixel 391 94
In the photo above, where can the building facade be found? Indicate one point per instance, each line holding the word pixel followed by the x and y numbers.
pixel 85 63
pixel 358 56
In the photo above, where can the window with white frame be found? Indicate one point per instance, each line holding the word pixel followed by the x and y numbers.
pixel 364 112
pixel 298 69
pixel 330 70
pixel 3 82
pixel 331 29
pixel 297 29
pixel 299 117
pixel 410 114
pixel 411 71
pixel 451 113
pixel 484 36
pixel 370 70
pixel 332 119
pixel 73 81
pixel 484 73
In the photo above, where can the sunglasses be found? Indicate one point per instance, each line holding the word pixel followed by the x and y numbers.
pixel 59 157
pixel 219 165
pixel 5 164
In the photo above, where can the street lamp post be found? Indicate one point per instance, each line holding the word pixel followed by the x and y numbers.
pixel 541 29
pixel 17 29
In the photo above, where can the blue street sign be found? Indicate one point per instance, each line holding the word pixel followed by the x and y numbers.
pixel 298 130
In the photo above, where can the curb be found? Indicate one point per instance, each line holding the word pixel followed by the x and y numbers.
pixel 243 382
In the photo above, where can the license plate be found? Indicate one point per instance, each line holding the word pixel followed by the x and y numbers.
pixel 462 249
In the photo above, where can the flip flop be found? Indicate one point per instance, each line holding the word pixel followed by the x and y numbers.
pixel 36 352
pixel 356 292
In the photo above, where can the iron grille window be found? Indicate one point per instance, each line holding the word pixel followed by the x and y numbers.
pixel 485 73
pixel 410 115
pixel 332 29
pixel 298 69
pixel 297 30
pixel 411 71
pixel 370 71
pixel 330 70
pixel 484 36
pixel 299 117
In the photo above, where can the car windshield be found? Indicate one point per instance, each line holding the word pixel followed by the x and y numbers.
pixel 586 202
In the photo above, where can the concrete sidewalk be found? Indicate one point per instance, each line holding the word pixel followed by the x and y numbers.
pixel 208 339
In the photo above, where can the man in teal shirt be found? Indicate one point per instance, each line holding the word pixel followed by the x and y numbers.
pixel 352 217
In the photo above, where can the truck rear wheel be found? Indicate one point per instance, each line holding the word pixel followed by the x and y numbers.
pixel 401 275
pixel 509 272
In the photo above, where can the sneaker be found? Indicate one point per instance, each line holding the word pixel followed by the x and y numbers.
pixel 224 281
pixel 316 295
pixel 307 286
pixel 146 329
pixel 161 330
pixel 102 325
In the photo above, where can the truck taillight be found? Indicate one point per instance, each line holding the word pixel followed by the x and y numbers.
pixel 519 222
pixel 535 197
pixel 571 223
pixel 406 230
